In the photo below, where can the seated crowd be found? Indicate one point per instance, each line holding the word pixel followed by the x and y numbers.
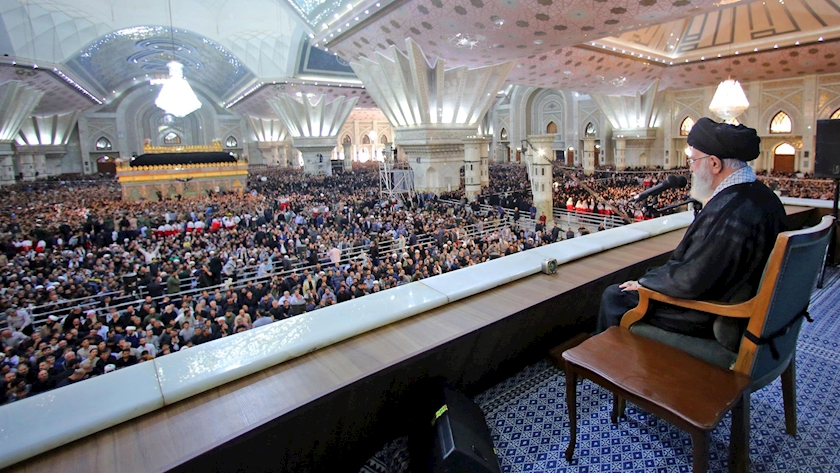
pixel 90 284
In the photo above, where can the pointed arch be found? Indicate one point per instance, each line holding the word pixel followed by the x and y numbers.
pixel 365 139
pixel 231 142
pixel 686 126
pixel 383 139
pixel 172 138
pixel 835 115
pixel 346 140
pixel 551 128
pixel 784 149
pixel 503 134
pixel 781 124
pixel 590 131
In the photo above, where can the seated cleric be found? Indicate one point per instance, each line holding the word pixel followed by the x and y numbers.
pixel 723 253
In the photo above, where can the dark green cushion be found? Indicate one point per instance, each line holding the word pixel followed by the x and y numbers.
pixel 706 349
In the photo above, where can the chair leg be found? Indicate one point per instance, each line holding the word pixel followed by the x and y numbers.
pixel 571 403
pixel 700 442
pixel 618 408
pixel 789 396
pixel 739 438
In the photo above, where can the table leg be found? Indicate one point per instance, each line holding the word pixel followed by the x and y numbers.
pixel 571 404
pixel 700 441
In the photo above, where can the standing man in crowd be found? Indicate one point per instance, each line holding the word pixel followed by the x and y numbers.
pixel 722 254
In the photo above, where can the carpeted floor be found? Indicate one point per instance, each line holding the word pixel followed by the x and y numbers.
pixel 529 423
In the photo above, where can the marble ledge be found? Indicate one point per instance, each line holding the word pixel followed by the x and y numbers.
pixel 40 423
pixel 197 369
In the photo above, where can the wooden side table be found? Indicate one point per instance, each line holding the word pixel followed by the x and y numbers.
pixel 688 392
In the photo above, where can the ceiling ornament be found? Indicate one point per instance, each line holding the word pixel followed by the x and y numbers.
pixel 412 92
pixel 465 41
pixel 176 97
pixel 729 100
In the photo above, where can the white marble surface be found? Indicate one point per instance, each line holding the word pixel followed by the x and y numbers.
pixel 189 372
pixel 660 225
pixel 822 204
pixel 32 426
pixel 569 250
pixel 474 279
pixel 615 237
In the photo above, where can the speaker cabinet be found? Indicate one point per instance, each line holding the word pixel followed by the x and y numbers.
pixel 456 438
pixel 827 156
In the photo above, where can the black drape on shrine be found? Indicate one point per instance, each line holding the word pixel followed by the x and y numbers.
pixel 182 158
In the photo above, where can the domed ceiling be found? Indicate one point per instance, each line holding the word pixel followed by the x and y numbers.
pixel 239 53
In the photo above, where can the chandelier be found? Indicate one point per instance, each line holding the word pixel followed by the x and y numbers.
pixel 176 97
pixel 729 100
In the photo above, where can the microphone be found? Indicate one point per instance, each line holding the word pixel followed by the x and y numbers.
pixel 672 182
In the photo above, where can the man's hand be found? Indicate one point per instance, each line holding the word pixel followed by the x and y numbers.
pixel 630 286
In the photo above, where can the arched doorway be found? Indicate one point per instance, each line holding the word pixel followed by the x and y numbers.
pixel 551 128
pixel 784 158
pixel 106 165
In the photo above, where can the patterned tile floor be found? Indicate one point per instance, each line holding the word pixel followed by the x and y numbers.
pixel 530 429
pixel 528 420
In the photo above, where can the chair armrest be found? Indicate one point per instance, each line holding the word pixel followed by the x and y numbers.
pixel 740 310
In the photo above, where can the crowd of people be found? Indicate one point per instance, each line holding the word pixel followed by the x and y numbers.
pixel 90 284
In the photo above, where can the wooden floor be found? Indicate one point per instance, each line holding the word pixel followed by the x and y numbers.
pixel 167 438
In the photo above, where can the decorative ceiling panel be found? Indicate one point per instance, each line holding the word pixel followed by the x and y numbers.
pixel 59 98
pixel 256 104
pixel 506 29
pixel 132 54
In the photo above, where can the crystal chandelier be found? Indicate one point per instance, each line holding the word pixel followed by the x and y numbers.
pixel 176 97
pixel 729 100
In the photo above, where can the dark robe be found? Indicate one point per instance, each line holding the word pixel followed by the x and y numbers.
pixel 720 258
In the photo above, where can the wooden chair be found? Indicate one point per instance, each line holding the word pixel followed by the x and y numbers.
pixel 691 382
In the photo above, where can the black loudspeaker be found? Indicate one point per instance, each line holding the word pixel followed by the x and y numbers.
pixel 456 439
pixel 827 156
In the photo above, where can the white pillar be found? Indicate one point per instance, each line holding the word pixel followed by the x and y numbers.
pixel 7 164
pixel 40 162
pixel 589 156
pixel 484 153
pixel 348 156
pixel 472 167
pixel 621 153
pixel 542 178
pixel 26 166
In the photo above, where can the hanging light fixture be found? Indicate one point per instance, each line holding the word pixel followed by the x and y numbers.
pixel 176 97
pixel 729 100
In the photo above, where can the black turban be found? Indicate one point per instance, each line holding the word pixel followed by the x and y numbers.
pixel 724 140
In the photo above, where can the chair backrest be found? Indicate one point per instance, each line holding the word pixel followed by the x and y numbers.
pixel 785 292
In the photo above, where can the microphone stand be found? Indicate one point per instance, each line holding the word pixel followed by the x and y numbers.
pixel 698 206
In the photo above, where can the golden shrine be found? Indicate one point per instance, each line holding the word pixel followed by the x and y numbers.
pixel 169 181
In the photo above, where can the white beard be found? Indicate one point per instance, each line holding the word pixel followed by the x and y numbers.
pixel 702 181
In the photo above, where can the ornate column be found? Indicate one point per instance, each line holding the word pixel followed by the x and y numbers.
pixel 484 153
pixel 25 167
pixel 7 164
pixel 314 127
pixel 620 153
pixel 389 152
pixel 348 157
pixel 431 109
pixel 588 156
pixel 472 167
pixel 542 179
